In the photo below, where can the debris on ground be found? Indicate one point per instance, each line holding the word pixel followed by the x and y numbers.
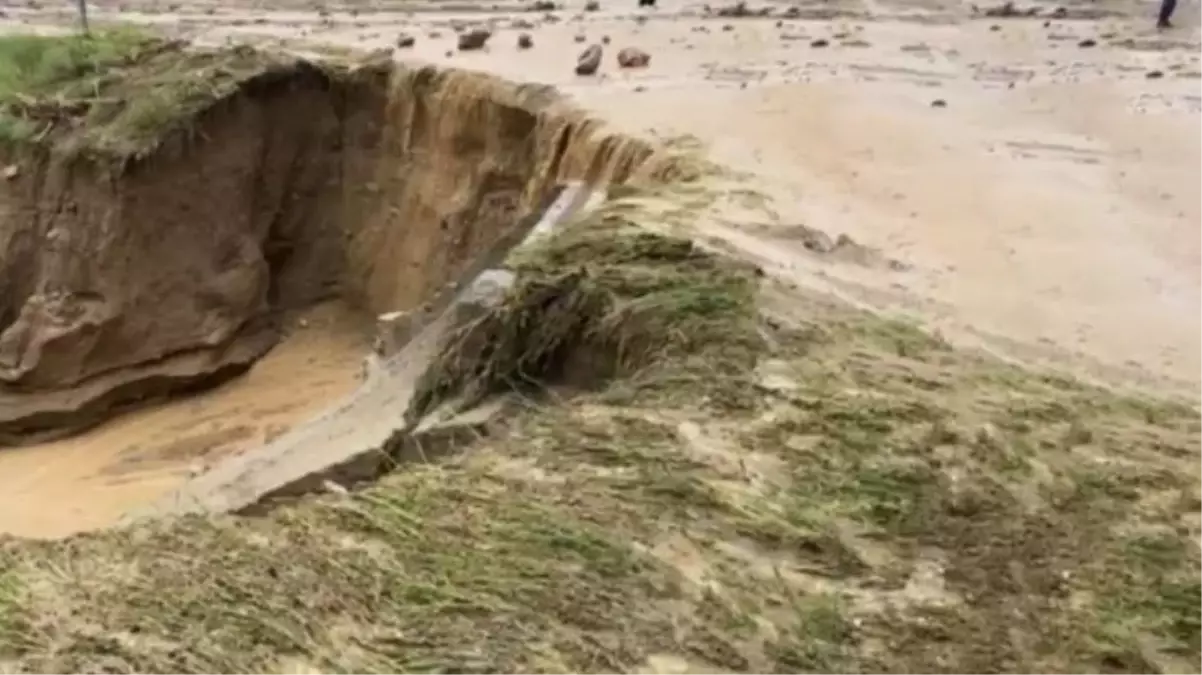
pixel 589 60
pixel 473 39
pixel 633 57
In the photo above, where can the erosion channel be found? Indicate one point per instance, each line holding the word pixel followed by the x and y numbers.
pixel 190 268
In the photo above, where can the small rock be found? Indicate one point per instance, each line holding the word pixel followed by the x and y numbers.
pixel 11 171
pixel 646 3
pixel 474 39
pixel 589 60
pixel 525 41
pixel 1087 43
pixel 727 28
pixel 334 488
pixel 543 6
pixel 737 10
pixel 939 103
pixel 819 43
pixel 995 28
pixel 592 6
pixel 405 41
pixel 632 57
pixel 579 38
pixel 604 39
pixel 1154 74
pixel 522 24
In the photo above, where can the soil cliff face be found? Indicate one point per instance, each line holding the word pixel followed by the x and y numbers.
pixel 125 281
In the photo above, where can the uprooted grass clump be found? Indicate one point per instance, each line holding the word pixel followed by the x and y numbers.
pixel 604 300
pixel 116 92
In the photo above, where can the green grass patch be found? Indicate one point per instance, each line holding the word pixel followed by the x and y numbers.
pixel 115 93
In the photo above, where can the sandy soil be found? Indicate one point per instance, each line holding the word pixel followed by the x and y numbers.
pixel 1031 184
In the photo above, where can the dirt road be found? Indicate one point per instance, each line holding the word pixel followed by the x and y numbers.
pixel 1024 184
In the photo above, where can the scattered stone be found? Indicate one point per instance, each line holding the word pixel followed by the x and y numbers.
pixel 604 39
pixel 334 487
pixel 726 28
pixel 543 6
pixel 592 6
pixel 793 12
pixel 474 39
pixel 819 43
pixel 405 41
pixel 1154 74
pixel 995 28
pixel 737 10
pixel 589 60
pixel 939 103
pixel 633 57
pixel 646 3
pixel 448 53
pixel 11 171
pixel 434 35
pixel 525 41
pixel 1087 43
pixel 579 38
pixel 1007 10
pixel 522 24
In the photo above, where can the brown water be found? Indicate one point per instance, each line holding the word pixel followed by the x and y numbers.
pixel 91 480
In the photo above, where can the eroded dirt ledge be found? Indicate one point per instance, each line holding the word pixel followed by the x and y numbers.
pixel 137 266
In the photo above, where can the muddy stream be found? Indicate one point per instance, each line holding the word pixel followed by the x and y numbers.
pixel 90 481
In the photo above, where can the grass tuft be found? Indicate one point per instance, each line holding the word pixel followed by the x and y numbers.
pixel 115 93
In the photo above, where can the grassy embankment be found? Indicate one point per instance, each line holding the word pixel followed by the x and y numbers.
pixel 114 93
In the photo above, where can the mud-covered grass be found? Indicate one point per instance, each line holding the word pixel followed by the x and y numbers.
pixel 602 302
pixel 807 489
pixel 115 93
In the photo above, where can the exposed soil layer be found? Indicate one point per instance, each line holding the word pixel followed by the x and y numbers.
pixel 151 257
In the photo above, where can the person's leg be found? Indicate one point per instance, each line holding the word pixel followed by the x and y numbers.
pixel 1166 13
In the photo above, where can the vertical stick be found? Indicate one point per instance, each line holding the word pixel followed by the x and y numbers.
pixel 83 15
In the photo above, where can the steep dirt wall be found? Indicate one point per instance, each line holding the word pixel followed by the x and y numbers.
pixel 121 283
pixel 439 163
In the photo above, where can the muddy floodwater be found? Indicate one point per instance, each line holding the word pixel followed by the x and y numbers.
pixel 91 480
